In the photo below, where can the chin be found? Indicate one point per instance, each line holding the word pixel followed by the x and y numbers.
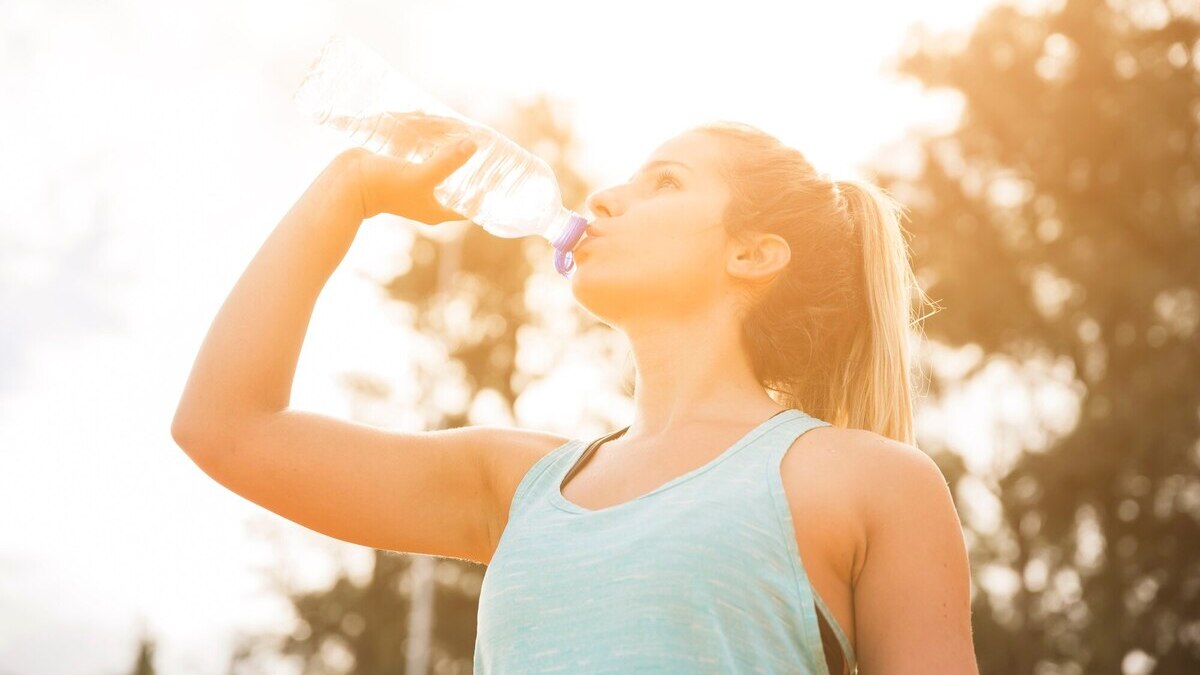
pixel 605 298
pixel 616 299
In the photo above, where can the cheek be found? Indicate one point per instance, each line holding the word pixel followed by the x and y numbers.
pixel 612 284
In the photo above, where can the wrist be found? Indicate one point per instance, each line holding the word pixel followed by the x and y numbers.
pixel 346 173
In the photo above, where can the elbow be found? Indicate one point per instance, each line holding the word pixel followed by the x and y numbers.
pixel 184 431
pixel 211 442
pixel 188 440
pixel 201 441
pixel 209 451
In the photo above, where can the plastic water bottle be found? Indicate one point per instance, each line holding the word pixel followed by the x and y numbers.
pixel 503 188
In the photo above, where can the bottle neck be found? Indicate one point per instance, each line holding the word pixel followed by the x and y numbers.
pixel 565 230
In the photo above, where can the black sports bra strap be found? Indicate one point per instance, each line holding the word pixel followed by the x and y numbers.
pixel 591 448
pixel 594 445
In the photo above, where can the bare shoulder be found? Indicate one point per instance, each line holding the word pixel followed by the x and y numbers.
pixel 511 453
pixel 893 473
pixel 880 472
pixel 914 583
pixel 844 482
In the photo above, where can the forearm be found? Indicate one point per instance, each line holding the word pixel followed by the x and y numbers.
pixel 247 362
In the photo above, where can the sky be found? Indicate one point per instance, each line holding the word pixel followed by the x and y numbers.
pixel 151 147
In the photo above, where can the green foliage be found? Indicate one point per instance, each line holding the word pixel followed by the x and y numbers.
pixel 1060 224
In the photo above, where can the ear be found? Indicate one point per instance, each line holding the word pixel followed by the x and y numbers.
pixel 759 258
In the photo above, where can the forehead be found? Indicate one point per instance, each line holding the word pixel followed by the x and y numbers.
pixel 701 153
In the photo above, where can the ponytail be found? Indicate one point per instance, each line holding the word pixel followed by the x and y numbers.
pixel 873 388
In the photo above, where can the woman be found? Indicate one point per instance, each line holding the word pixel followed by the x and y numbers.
pixel 764 512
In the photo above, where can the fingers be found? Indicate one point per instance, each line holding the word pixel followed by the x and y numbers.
pixel 406 188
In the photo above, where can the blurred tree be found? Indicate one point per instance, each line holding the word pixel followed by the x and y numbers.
pixel 367 629
pixel 1059 224
pixel 144 662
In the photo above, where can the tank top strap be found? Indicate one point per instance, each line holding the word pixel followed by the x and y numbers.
pixel 786 427
pixel 766 445
pixel 793 424
pixel 543 474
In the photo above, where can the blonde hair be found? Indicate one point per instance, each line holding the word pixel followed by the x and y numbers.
pixel 830 335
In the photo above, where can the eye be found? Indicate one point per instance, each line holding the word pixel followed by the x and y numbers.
pixel 666 175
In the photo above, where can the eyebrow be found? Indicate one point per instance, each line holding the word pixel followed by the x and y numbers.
pixel 659 162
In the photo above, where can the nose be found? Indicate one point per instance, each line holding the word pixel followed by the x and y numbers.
pixel 602 203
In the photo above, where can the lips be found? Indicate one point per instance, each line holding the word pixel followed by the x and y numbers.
pixel 582 241
pixel 592 231
pixel 588 233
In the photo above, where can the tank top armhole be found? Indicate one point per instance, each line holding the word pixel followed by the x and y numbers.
pixel 535 472
pixel 843 640
pixel 809 598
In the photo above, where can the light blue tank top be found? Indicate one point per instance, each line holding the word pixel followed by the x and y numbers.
pixel 700 575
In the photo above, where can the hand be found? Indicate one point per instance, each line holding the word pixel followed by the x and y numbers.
pixel 387 184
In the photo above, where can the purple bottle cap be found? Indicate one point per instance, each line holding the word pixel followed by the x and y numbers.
pixel 564 262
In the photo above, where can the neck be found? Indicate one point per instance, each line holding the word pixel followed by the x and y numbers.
pixel 689 373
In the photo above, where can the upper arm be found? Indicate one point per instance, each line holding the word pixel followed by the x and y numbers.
pixel 912 598
pixel 429 492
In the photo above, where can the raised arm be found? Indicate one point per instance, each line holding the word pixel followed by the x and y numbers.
pixel 247 361
pixel 430 492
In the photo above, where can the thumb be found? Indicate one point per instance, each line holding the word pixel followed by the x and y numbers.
pixel 447 159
